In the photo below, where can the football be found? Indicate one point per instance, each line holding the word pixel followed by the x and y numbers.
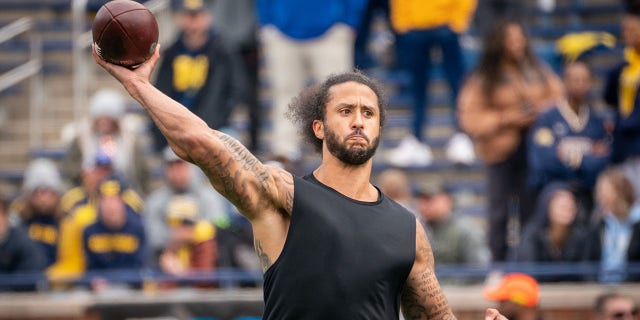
pixel 125 33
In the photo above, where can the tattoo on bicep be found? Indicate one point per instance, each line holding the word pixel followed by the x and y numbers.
pixel 265 262
pixel 248 161
pixel 287 180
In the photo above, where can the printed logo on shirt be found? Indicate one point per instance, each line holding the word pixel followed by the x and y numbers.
pixel 190 73
pixel 543 137
pixel 104 243
pixel 43 233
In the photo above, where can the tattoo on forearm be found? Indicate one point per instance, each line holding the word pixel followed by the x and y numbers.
pixel 422 297
pixel 265 262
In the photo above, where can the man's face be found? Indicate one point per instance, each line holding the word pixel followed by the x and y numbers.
pixel 620 308
pixel 351 129
pixel 577 80
pixel 195 23
pixel 178 174
pixel 631 30
pixel 113 212
pixel 436 207
pixel 44 200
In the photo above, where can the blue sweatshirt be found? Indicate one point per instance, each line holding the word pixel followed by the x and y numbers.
pixel 115 249
pixel 560 125
pixel 44 230
pixel 303 20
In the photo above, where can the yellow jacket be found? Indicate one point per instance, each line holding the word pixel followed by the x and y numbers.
pixel 70 263
pixel 408 15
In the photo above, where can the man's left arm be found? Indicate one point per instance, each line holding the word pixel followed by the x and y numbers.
pixel 422 297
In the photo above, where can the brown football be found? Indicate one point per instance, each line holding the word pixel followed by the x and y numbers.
pixel 125 32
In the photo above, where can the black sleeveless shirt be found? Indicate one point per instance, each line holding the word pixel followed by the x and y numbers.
pixel 342 259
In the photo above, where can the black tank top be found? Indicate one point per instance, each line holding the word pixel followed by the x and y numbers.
pixel 342 259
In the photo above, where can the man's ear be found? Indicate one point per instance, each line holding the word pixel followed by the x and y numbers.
pixel 318 129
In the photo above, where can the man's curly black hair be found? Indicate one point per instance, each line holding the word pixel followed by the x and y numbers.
pixel 310 104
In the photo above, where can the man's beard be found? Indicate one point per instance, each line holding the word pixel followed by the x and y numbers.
pixel 351 156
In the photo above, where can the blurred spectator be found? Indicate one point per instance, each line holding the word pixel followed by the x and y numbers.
pixel 38 207
pixel 553 235
pixel 621 94
pixel 421 27
pixel 303 40
pixel 614 240
pixel 107 133
pixel 180 178
pixel 362 57
pixel 237 23
pixel 614 306
pixel 517 295
pixel 569 142
pixel 198 71
pixel 192 246
pixel 496 107
pixel 395 184
pixel 82 210
pixel 490 11
pixel 454 239
pixel 18 253
pixel 116 240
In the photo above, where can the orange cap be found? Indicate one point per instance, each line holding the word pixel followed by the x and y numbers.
pixel 515 287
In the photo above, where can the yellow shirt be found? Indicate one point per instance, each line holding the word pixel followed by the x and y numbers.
pixel 70 263
pixel 408 15
pixel 629 81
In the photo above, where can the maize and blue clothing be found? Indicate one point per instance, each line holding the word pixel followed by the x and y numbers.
pixel 124 248
pixel 560 129
pixel 422 26
pixel 45 231
pixel 202 79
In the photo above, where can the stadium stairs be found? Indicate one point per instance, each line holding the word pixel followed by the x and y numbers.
pixel 53 22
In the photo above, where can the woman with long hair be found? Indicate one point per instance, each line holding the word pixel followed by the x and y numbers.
pixel 498 103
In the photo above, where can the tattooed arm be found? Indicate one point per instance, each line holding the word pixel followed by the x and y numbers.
pixel 233 171
pixel 422 297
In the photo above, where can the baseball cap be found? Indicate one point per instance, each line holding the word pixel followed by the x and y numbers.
pixel 430 188
pixel 191 5
pixel 181 210
pixel 112 186
pixel 516 287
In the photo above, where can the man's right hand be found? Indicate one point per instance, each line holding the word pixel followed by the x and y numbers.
pixel 129 77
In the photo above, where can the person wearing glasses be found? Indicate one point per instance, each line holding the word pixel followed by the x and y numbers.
pixel 615 306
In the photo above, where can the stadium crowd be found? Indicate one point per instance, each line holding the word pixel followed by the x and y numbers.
pixel 560 166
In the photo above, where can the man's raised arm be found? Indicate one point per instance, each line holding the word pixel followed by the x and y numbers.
pixel 238 175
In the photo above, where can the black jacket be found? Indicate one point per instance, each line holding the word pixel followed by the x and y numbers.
pixel 214 101
pixel 593 246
